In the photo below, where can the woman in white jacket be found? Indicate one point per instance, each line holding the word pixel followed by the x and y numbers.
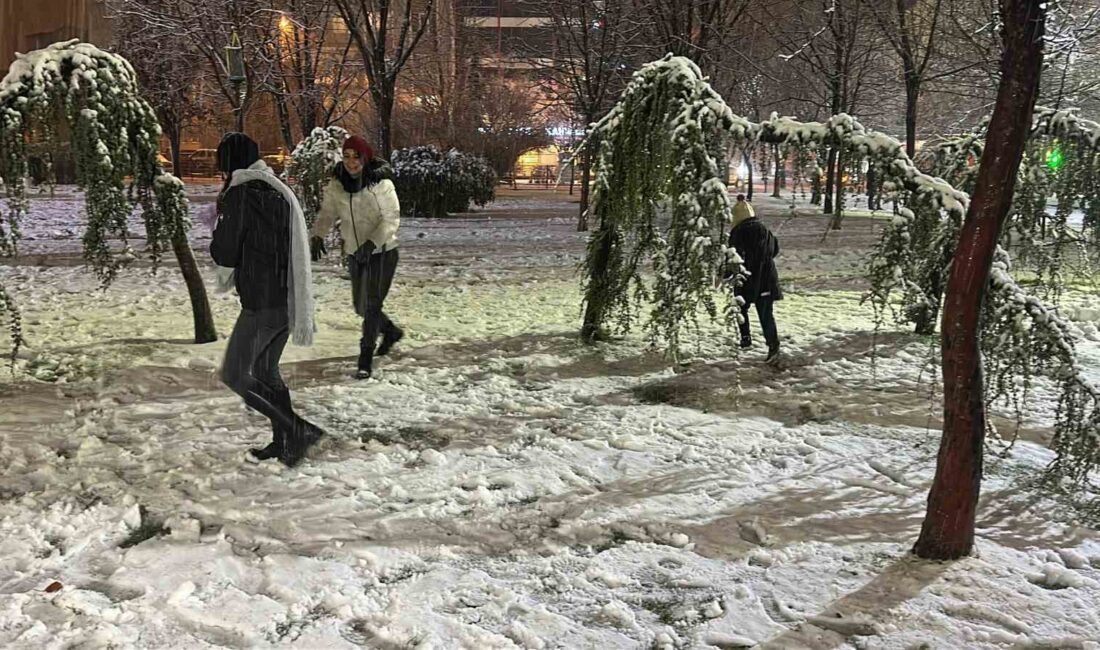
pixel 361 197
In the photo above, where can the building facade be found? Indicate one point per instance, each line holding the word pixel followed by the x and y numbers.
pixel 27 25
pixel 510 38
pixel 516 39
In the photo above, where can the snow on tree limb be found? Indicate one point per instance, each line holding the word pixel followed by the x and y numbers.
pixel 658 199
pixel 654 160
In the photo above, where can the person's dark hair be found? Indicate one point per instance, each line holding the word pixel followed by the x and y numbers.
pixel 740 197
pixel 235 151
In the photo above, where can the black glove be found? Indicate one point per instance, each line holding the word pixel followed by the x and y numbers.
pixel 317 248
pixel 362 255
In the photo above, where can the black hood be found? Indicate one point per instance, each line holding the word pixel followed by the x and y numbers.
pixel 237 151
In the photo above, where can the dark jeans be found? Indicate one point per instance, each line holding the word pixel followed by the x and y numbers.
pixel 370 284
pixel 767 321
pixel 251 366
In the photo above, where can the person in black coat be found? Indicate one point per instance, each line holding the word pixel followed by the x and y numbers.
pixel 253 237
pixel 757 247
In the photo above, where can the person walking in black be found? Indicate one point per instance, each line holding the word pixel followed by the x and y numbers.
pixel 362 198
pixel 757 247
pixel 261 236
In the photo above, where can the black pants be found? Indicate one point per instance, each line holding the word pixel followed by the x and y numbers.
pixel 371 277
pixel 251 366
pixel 767 321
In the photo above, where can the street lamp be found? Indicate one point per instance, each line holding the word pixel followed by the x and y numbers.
pixel 234 66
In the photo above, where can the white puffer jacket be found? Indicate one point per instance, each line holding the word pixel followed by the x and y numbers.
pixel 371 214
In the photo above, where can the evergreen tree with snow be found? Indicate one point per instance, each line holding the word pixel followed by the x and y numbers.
pixel 658 206
pixel 116 138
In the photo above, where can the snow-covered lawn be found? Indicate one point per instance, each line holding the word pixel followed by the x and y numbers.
pixel 499 484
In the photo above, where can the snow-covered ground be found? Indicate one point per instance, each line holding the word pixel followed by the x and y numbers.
pixel 500 485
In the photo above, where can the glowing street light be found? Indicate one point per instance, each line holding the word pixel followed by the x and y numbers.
pixel 286 26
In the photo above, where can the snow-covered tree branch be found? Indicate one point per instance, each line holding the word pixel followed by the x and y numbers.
pixel 116 138
pixel 658 200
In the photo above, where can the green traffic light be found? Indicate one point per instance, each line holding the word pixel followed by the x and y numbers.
pixel 1055 158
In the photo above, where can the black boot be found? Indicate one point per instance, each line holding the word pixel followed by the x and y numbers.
pixel 391 334
pixel 305 435
pixel 366 360
pixel 274 448
pixel 371 323
pixel 280 398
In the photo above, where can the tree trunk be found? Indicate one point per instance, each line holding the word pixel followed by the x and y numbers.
pixel 912 95
pixel 203 317
pixel 586 177
pixel 872 189
pixel 778 173
pixel 838 207
pixel 285 128
pixel 748 164
pixel 174 136
pixel 309 105
pixel 948 529
pixel 596 296
pixel 307 121
pixel 830 171
pixel 384 104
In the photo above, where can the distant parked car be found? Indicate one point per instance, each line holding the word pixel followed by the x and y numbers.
pixel 201 162
pixel 277 161
pixel 165 163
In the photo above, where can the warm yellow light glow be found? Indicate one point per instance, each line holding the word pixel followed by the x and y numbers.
pixel 534 162
pixel 285 25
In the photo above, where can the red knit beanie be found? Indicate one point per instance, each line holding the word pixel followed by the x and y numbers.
pixel 359 145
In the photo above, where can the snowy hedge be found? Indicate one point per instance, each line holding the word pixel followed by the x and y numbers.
pixel 431 183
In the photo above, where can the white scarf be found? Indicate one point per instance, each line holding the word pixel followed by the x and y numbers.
pixel 299 296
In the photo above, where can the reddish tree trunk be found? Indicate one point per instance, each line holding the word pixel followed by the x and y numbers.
pixel 948 529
